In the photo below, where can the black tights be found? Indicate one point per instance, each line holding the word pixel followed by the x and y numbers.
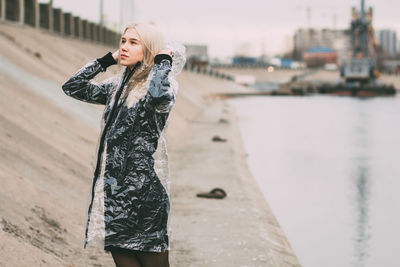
pixel 140 259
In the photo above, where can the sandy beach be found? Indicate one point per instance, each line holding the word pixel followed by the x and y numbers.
pixel 48 152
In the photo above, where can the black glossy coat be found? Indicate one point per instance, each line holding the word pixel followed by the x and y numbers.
pixel 136 204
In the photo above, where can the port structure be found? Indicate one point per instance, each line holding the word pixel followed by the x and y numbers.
pixel 361 66
pixel 359 70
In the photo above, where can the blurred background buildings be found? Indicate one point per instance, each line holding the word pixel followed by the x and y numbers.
pixel 307 46
pixel 388 43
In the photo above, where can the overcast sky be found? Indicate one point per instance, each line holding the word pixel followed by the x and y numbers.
pixel 226 25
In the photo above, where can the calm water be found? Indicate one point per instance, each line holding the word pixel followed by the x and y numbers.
pixel 330 169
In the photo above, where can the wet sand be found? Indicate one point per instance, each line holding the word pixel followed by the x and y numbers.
pixel 48 151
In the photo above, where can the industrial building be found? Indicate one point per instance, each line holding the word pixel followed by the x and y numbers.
pixel 306 39
pixel 387 42
pixel 319 56
pixel 197 55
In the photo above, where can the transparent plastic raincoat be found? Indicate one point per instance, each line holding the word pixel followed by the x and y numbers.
pixel 129 201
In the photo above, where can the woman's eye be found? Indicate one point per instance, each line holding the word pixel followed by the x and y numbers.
pixel 133 42
pixel 123 41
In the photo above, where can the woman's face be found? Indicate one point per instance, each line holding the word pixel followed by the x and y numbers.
pixel 131 49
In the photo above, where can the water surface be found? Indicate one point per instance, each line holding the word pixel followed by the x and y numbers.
pixel 329 168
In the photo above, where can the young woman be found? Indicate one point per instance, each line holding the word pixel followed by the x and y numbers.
pixel 129 207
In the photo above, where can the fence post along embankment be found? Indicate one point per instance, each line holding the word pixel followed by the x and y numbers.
pixel 58 21
pixel 46 17
pixel 2 10
pixel 31 13
pixel 208 71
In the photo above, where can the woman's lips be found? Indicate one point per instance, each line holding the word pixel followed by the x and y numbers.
pixel 123 56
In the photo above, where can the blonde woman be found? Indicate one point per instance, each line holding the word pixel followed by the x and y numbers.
pixel 129 203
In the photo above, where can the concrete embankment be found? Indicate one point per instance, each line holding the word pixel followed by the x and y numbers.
pixel 239 230
pixel 48 151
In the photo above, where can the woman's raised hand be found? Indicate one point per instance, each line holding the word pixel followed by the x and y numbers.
pixel 116 55
pixel 166 51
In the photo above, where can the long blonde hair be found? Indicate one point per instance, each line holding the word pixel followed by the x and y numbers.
pixel 152 42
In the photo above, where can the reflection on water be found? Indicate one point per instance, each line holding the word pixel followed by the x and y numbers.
pixel 328 168
pixel 362 191
pixel 362 231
